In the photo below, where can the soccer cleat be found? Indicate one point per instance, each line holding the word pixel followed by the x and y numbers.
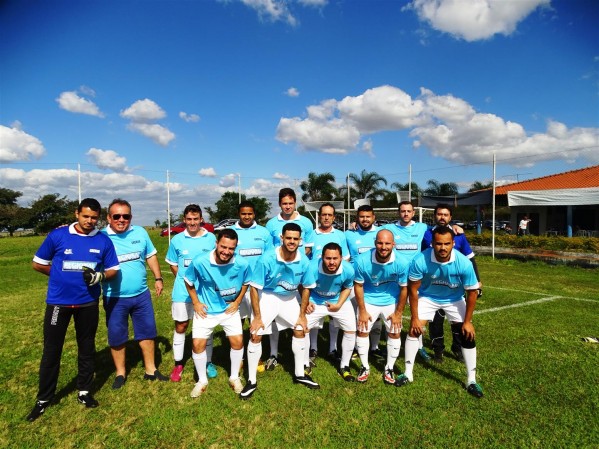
pixel 424 355
pixel 198 390
pixel 475 390
pixel 402 380
pixel 354 356
pixel 312 357
pixel 307 370
pixel 271 363
pixel 156 376
pixel 248 391
pixel 236 385
pixel 346 374
pixel 119 381
pixel 38 410
pixel 87 400
pixel 388 377
pixel 438 357
pixel 363 375
pixel 378 352
pixel 306 381
pixel 176 373
pixel 261 367
pixel 334 356
pixel 211 370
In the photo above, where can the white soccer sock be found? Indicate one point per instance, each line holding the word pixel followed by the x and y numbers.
pixel 375 334
pixel 393 348
pixel 298 346
pixel 420 342
pixel 236 358
pixel 347 347
pixel 274 341
pixel 178 346
pixel 333 334
pixel 470 361
pixel 209 348
pixel 362 347
pixel 411 351
pixel 199 360
pixel 254 354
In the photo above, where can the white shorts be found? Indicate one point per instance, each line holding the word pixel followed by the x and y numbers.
pixel 283 310
pixel 454 311
pixel 245 306
pixel 182 311
pixel 379 311
pixel 203 327
pixel 344 318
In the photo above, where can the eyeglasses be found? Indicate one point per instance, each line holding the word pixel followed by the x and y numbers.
pixel 118 216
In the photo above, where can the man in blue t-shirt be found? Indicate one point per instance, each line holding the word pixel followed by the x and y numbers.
pixel 76 259
pixel 184 247
pixel 127 294
pixel 438 279
pixel 222 280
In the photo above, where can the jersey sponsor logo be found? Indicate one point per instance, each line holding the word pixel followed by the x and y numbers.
pixel 444 283
pixel 287 285
pixel 326 293
pixel 228 291
pixel 363 249
pixel 187 262
pixel 93 250
pixel 387 281
pixel 406 246
pixel 250 252
pixel 77 265
pixel 258 239
pixel 129 257
pixel 135 242
pixel 68 251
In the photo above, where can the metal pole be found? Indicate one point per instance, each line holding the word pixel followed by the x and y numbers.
pixel 79 181
pixel 168 206
pixel 239 174
pixel 493 219
pixel 410 184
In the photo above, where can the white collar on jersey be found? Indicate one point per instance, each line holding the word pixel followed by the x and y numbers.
pixel 72 230
pixel 373 257
pixel 411 223
pixel 318 231
pixel 202 233
pixel 238 226
pixel 295 217
pixel 451 257
pixel 213 259
pixel 298 256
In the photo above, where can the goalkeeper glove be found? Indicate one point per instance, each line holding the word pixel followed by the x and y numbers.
pixel 92 277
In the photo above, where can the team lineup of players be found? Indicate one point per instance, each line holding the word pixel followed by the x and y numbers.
pixel 286 275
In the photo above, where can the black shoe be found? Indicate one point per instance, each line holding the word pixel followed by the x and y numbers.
pixel 88 400
pixel 346 374
pixel 248 390
pixel 306 381
pixel 312 357
pixel 378 353
pixel 334 356
pixel 475 390
pixel 38 410
pixel 438 357
pixel 156 376
pixel 119 382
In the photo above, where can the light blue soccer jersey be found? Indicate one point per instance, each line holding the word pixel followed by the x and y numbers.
pixel 408 239
pixel 381 281
pixel 359 241
pixel 275 228
pixel 217 284
pixel 67 252
pixel 322 238
pixel 132 247
pixel 443 282
pixel 182 250
pixel 273 274
pixel 326 287
pixel 253 242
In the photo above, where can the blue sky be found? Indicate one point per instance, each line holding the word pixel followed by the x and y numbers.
pixel 269 90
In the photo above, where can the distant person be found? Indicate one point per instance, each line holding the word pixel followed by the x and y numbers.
pixel 523 228
pixel 127 294
pixel 76 258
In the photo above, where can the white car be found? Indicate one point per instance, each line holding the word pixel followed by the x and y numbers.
pixel 226 223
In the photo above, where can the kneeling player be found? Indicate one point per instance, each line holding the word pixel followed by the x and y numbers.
pixel 222 281
pixel 327 288
pixel 438 278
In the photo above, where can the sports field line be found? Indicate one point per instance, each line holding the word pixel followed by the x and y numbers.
pixel 541 294
pixel 520 304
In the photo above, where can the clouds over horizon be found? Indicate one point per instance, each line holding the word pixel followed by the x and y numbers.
pixel 108 159
pixel 142 115
pixel 16 145
pixel 447 125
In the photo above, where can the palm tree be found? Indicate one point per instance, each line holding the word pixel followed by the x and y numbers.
pixel 435 188
pixel 366 185
pixel 398 187
pixel 319 187
pixel 477 185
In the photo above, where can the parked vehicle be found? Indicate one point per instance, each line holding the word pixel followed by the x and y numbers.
pixel 180 227
pixel 460 223
pixel 226 223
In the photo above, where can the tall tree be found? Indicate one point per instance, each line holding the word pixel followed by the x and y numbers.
pixel 13 217
pixel 367 185
pixel 435 188
pixel 319 187
pixel 477 185
pixel 50 211
pixel 8 196
pixel 226 207
pixel 398 187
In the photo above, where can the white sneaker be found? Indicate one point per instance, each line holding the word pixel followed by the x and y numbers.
pixel 236 385
pixel 198 389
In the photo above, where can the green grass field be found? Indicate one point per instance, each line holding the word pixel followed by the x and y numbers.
pixel 539 379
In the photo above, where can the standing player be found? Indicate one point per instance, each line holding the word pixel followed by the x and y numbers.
pixel 438 278
pixel 76 259
pixel 222 281
pixel 380 287
pixel 287 203
pixel 274 289
pixel 442 218
pixel 328 286
pixel 128 293
pixel 184 247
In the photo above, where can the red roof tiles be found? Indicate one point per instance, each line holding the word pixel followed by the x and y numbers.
pixel 575 179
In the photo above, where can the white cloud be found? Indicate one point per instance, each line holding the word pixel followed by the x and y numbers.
pixel 208 172
pixel 17 145
pixel 189 118
pixel 158 133
pixel 278 175
pixel 314 3
pixel 332 136
pixel 474 20
pixel 143 111
pixel 292 92
pixel 108 159
pixel 272 10
pixel 86 90
pixel 228 180
pixel 71 101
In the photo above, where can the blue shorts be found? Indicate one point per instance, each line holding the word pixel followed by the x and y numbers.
pixel 142 316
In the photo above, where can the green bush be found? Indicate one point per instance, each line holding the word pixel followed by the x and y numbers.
pixel 558 243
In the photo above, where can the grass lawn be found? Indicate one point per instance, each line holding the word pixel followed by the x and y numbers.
pixel 539 379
